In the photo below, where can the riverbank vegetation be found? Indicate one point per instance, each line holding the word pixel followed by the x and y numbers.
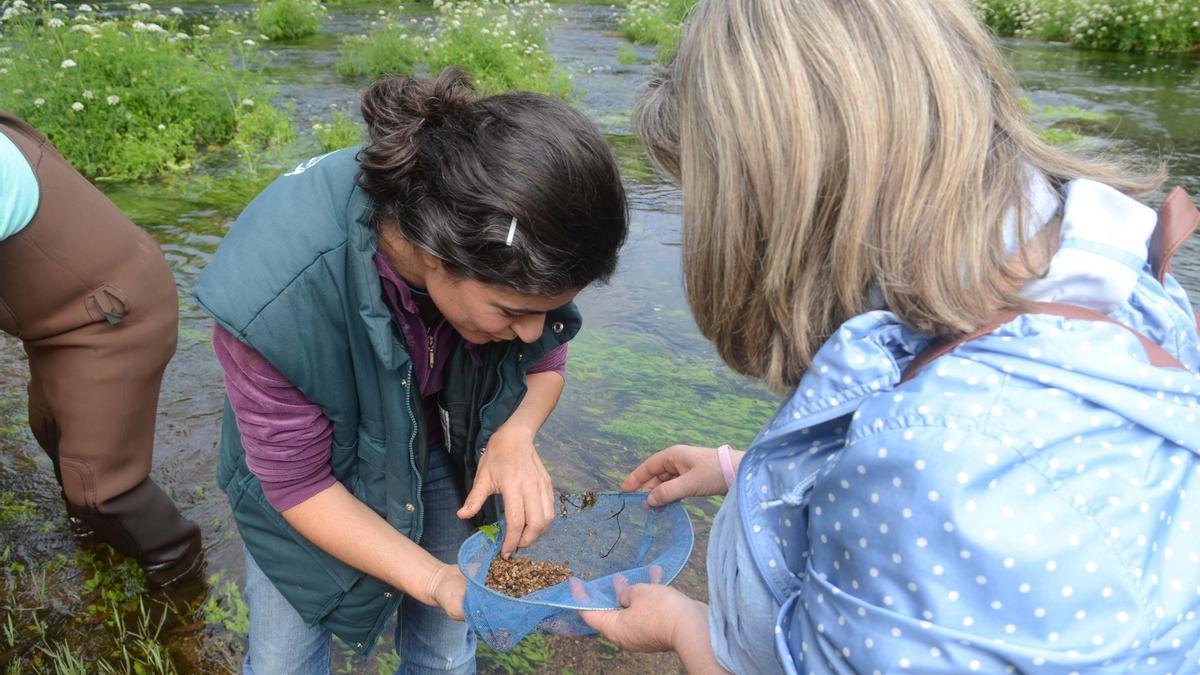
pixel 135 93
pixel 656 22
pixel 1106 25
pixel 502 43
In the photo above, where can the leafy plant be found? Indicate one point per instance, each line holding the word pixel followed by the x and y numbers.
pixel 340 132
pixel 225 607
pixel 288 19
pixel 1108 25
pixel 656 22
pixel 134 95
pixel 527 657
pixel 490 531
pixel 502 43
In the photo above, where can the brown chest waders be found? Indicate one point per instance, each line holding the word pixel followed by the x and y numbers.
pixel 93 301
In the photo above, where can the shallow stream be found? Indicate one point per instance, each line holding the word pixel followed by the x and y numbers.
pixel 640 378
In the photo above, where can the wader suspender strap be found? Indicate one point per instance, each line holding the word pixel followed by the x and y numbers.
pixel 1177 220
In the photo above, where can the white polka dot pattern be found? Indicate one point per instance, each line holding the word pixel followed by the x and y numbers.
pixel 1037 520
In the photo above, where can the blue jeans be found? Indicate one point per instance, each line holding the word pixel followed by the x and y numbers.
pixel 427 640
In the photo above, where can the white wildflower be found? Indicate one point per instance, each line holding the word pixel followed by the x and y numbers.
pixel 177 11
pixel 84 8
pixel 20 4
pixel 67 63
pixel 39 102
pixel 59 6
pixel 249 43
pixel 77 106
pixel 162 127
pixel 202 28
pixel 55 23
pixel 112 99
pixel 248 102
pixel 87 94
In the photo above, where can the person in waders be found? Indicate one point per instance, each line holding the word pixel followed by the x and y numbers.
pixel 93 302
pixel 392 322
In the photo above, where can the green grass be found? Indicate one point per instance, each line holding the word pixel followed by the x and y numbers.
pixel 288 19
pixel 135 95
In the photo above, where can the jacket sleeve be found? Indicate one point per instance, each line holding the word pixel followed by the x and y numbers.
pixel 287 439
pixel 940 550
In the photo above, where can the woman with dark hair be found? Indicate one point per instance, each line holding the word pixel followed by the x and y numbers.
pixel 392 322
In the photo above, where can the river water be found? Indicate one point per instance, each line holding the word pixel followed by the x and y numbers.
pixel 640 377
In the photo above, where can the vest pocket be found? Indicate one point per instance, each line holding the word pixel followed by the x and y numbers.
pixel 370 474
pixel 311 579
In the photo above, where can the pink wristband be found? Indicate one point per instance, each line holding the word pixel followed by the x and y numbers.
pixel 726 464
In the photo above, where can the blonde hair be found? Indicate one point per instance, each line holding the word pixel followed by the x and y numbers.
pixel 829 150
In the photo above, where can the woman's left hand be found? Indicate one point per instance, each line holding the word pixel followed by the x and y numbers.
pixel 651 620
pixel 512 468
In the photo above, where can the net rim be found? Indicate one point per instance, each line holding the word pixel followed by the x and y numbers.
pixel 669 576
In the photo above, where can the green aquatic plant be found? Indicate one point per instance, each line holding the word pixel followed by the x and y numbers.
pixel 656 22
pixel 137 93
pixel 501 43
pixel 490 531
pixel 394 48
pixel 642 392
pixel 631 156
pixel 14 509
pixel 627 56
pixel 225 607
pixel 529 656
pixel 288 19
pixel 341 131
pixel 1070 125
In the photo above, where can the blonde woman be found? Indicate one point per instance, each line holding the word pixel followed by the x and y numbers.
pixel 859 181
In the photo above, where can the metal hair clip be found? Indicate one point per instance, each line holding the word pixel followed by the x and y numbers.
pixel 512 231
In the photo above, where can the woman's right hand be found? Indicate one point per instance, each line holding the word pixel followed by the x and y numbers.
pixel 680 471
pixel 448 591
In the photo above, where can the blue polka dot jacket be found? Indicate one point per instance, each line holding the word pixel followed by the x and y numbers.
pixel 1027 503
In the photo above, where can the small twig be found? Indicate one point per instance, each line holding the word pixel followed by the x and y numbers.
pixel 618 539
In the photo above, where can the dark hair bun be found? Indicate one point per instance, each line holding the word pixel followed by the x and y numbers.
pixel 397 109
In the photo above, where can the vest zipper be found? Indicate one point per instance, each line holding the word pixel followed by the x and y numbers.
pixel 412 462
pixel 429 337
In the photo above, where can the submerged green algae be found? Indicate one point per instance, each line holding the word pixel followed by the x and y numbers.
pixel 642 392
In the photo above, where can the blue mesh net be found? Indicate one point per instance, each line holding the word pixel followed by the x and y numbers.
pixel 599 536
